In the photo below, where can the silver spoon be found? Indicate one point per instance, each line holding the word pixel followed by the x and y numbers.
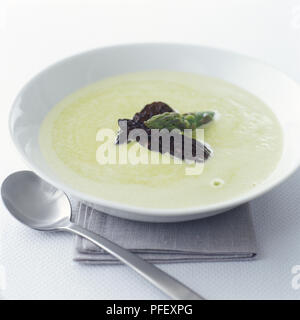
pixel 41 206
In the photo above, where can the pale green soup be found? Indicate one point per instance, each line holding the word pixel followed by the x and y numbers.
pixel 246 139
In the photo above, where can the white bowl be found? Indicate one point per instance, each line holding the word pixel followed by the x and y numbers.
pixel 51 85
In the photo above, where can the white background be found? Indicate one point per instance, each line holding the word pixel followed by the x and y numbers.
pixel 34 34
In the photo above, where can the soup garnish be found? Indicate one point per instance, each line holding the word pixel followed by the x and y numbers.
pixel 154 116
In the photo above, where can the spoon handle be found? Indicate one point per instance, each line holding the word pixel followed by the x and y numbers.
pixel 157 277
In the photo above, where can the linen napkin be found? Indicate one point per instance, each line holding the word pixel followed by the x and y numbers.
pixel 225 237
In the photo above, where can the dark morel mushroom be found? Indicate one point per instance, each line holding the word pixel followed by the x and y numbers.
pixel 151 110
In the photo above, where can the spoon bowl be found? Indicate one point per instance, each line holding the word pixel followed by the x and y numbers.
pixel 35 202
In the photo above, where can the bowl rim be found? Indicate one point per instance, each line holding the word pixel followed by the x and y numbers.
pixel 139 210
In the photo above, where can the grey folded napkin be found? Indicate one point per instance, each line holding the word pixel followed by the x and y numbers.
pixel 225 237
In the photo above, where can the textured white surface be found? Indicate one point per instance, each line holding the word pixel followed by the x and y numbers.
pixel 40 265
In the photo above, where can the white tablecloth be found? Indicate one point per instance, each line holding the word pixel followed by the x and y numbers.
pixel 36 265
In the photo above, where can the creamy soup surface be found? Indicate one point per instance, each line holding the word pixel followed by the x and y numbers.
pixel 246 139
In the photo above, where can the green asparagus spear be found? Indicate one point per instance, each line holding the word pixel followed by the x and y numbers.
pixel 174 120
